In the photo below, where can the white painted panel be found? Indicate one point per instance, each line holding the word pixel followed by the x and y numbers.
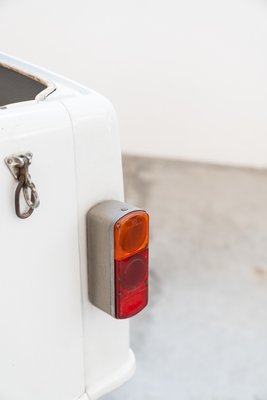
pixel 108 360
pixel 41 354
pixel 187 78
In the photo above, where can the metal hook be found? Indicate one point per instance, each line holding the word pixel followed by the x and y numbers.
pixel 21 185
pixel 19 167
pixel 33 199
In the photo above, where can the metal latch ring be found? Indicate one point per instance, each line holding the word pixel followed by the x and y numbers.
pixel 18 164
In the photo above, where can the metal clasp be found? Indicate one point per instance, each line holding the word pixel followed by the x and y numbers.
pixel 18 165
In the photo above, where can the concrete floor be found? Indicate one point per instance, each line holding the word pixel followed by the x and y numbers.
pixel 204 334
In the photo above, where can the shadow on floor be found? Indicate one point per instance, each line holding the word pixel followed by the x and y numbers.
pixel 204 334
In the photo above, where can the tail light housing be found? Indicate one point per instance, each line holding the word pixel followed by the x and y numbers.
pixel 118 237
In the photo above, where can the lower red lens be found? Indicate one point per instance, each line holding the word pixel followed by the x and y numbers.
pixel 132 305
pixel 131 286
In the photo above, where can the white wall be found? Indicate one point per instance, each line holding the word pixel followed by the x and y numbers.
pixel 188 78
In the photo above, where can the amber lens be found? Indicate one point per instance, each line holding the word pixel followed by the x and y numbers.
pixel 130 234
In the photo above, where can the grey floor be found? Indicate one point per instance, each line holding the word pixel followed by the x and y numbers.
pixel 204 334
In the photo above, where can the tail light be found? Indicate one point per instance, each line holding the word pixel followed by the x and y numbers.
pixel 118 236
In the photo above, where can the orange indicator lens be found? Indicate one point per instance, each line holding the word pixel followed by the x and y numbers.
pixel 130 234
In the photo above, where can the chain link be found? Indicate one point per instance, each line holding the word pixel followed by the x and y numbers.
pixel 30 193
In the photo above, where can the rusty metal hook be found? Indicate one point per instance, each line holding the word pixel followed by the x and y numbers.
pixel 21 185
pixel 19 167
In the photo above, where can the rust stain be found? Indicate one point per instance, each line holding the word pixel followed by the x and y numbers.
pixel 260 271
pixel 25 73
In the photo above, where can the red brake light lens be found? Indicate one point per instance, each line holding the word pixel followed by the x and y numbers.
pixel 131 234
pixel 131 284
